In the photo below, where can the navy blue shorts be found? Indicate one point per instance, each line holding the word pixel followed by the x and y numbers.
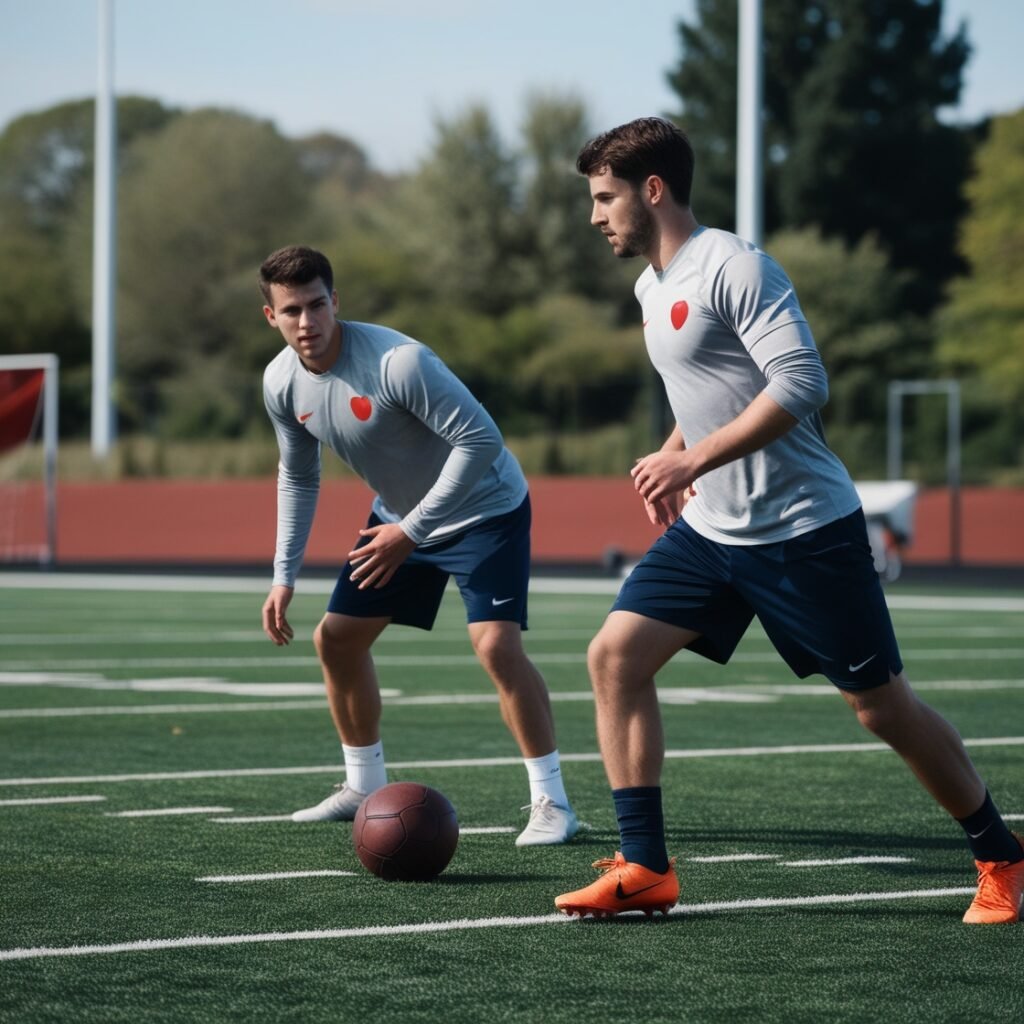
pixel 489 561
pixel 817 596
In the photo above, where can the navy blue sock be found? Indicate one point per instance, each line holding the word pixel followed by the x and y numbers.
pixel 987 834
pixel 641 826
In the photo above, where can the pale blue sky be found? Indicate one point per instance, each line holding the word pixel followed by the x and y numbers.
pixel 380 71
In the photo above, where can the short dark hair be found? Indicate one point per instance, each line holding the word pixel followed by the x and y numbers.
pixel 295 264
pixel 640 148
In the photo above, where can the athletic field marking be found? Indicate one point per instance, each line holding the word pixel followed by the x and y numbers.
pixel 490 762
pixel 309 585
pixel 162 709
pixel 828 690
pixel 255 636
pixel 428 927
pixel 48 678
pixel 258 819
pixel 161 811
pixel 274 876
pixel 453 660
pixel 253 819
pixel 839 861
pixel 679 695
pixel 52 800
pixel 536 635
pixel 735 693
pixel 183 684
pixel 1013 817
pixel 728 857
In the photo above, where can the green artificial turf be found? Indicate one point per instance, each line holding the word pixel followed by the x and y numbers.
pixel 78 874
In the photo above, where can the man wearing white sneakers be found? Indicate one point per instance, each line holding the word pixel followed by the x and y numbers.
pixel 451 501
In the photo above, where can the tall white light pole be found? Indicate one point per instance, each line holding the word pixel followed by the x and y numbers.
pixel 104 239
pixel 749 133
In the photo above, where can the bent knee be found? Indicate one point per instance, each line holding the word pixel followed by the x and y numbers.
pixel 607 658
pixel 336 637
pixel 886 710
pixel 498 650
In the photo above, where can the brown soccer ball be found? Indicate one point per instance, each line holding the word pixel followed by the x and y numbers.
pixel 405 832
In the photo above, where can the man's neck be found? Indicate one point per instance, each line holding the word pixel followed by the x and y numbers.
pixel 675 228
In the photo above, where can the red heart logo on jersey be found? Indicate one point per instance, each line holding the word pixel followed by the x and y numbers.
pixel 361 407
pixel 680 311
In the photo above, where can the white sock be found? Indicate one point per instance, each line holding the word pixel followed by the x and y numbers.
pixel 545 774
pixel 364 767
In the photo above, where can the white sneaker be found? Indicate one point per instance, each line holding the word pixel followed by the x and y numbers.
pixel 341 805
pixel 549 824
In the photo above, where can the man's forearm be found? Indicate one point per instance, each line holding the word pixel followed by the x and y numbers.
pixel 762 422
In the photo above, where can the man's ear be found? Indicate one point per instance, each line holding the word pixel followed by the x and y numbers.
pixel 654 189
pixel 268 312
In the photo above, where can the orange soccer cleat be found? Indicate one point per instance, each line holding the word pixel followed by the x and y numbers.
pixel 1000 891
pixel 623 886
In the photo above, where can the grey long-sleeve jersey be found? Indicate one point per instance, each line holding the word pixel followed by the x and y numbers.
pixel 394 412
pixel 722 324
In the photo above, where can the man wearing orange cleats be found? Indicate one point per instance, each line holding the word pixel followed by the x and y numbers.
pixel 623 886
pixel 1000 885
pixel 760 519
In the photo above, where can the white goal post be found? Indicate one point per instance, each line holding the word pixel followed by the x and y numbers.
pixel 28 458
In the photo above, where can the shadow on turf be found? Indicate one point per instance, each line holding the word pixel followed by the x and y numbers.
pixel 472 878
pixel 691 841
pixel 839 841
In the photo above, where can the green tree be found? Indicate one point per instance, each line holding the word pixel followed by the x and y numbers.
pixel 351 218
pixel 585 370
pixel 46 157
pixel 852 137
pixel 981 329
pixel 46 165
pixel 982 326
pixel 459 217
pixel 201 203
pixel 567 254
pixel 852 301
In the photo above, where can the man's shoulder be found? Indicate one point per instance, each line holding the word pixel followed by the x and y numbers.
pixel 704 254
pixel 375 336
pixel 280 369
pixel 711 248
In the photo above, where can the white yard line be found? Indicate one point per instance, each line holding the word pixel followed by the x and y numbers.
pixel 669 695
pixel 164 709
pixel 433 927
pixel 158 812
pixel 536 635
pixel 755 693
pixel 52 800
pixel 486 830
pixel 489 762
pixel 727 858
pixel 253 819
pixel 483 830
pixel 279 661
pixel 538 585
pixel 274 876
pixel 838 861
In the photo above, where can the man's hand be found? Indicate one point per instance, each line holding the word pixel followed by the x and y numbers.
pixel 661 476
pixel 666 512
pixel 375 563
pixel 275 625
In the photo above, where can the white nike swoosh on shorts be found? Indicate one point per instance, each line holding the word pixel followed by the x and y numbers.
pixel 857 668
pixel 504 600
